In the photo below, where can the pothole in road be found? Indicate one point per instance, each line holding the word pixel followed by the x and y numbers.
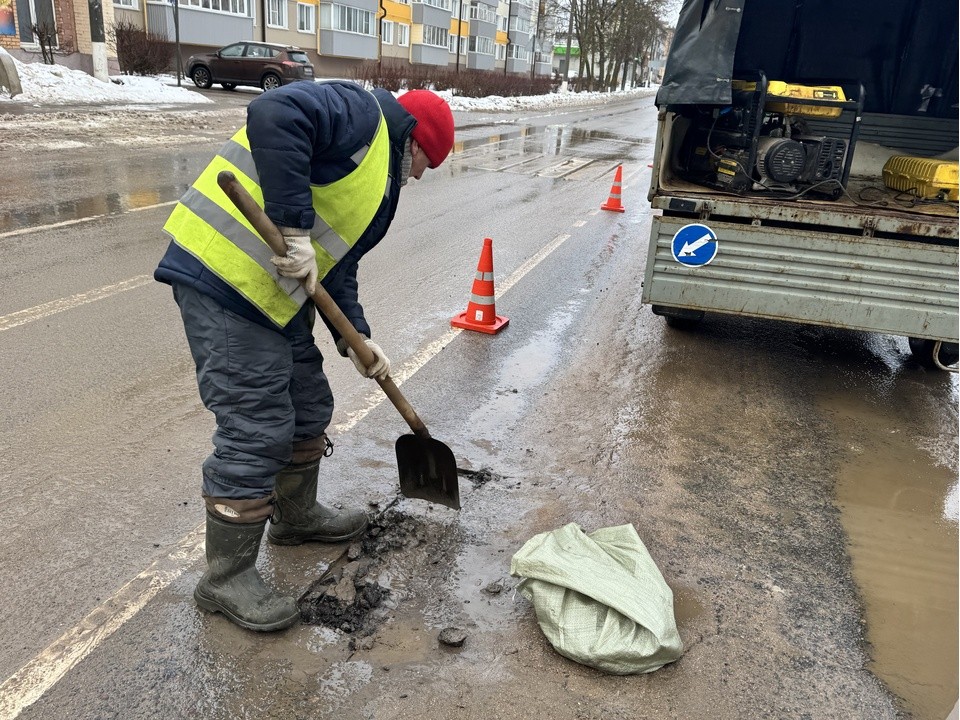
pixel 399 555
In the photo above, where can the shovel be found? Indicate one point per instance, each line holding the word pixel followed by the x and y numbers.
pixel 427 467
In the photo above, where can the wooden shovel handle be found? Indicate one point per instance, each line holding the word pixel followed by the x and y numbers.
pixel 273 237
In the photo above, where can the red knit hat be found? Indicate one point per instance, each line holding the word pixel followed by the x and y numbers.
pixel 434 129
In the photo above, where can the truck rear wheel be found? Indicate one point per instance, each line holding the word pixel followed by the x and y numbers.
pixel 678 318
pixel 922 351
pixel 681 323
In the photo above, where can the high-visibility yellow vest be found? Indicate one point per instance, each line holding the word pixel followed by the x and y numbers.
pixel 208 225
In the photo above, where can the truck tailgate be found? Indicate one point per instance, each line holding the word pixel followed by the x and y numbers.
pixel 886 285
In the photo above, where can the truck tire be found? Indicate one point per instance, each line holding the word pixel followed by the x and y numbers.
pixel 681 323
pixel 678 318
pixel 922 351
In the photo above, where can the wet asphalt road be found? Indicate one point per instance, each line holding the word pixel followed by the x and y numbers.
pixel 793 484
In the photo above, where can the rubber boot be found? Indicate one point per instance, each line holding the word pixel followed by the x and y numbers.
pixel 298 517
pixel 233 586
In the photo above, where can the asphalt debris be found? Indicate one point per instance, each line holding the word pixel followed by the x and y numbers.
pixel 349 596
pixel 452 636
pixel 481 477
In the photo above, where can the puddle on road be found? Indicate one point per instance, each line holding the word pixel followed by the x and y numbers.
pixel 88 207
pixel 899 510
pixel 547 139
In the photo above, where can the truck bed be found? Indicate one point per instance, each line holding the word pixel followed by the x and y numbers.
pixel 868 208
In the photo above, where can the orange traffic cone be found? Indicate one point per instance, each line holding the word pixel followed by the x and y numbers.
pixel 613 202
pixel 481 312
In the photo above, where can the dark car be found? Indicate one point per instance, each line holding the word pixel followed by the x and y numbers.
pixel 264 65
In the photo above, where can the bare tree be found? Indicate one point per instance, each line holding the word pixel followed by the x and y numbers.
pixel 612 35
pixel 46 35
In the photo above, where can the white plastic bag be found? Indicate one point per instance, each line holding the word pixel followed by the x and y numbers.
pixel 599 598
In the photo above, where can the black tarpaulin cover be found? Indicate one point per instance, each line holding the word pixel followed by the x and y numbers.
pixel 903 51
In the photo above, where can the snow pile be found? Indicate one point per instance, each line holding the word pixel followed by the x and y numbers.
pixel 56 84
pixel 564 99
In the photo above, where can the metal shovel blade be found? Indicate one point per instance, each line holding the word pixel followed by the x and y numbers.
pixel 428 470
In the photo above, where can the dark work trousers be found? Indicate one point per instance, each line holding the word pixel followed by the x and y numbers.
pixel 265 387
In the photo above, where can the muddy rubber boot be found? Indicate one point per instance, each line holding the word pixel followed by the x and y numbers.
pixel 233 586
pixel 298 517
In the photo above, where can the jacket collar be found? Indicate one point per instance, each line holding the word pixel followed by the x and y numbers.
pixel 400 123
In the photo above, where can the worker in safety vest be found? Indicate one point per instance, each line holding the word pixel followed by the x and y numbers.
pixel 327 160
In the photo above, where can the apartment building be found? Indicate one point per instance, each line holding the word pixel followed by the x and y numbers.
pixel 512 36
pixel 342 34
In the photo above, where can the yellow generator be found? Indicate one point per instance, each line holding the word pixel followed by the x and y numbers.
pixel 760 143
pixel 778 92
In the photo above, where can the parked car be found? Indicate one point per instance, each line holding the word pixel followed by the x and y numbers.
pixel 265 65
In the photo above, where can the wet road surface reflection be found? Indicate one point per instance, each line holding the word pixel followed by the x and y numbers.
pixel 87 207
pixel 557 151
pixel 529 149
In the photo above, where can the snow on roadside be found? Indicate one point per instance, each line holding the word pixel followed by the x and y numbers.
pixel 55 84
pixel 553 100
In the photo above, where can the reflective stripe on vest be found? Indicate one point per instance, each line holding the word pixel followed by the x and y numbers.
pixel 206 223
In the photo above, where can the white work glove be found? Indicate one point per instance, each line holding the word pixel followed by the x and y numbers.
pixel 301 259
pixel 381 363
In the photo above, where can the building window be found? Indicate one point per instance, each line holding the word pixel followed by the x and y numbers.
pixel 403 35
pixel 129 4
pixel 518 53
pixel 462 44
pixel 353 20
pixel 277 13
pixel 306 18
pixel 481 45
pixel 436 36
pixel 386 32
pixel 482 13
pixel 520 25
pixel 442 4
pixel 501 51
pixel 227 7
pixel 502 23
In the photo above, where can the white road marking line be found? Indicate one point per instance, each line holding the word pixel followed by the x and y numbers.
pixel 30 682
pixel 78 221
pixel 34 679
pixel 22 317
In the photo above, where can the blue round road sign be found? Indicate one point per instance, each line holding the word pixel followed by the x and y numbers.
pixel 694 245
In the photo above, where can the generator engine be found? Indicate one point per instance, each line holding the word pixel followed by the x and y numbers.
pixel 760 143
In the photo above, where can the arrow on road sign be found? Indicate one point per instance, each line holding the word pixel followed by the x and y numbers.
pixel 689 249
